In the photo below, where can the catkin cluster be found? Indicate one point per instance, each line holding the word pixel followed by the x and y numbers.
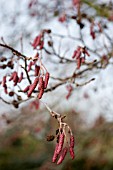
pixel 60 151
pixel 40 82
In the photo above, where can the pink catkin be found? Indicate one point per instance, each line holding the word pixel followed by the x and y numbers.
pixel 41 83
pixel 29 66
pixel 37 41
pixel 55 155
pixel 5 89
pixel 37 69
pixel 41 45
pixel 69 88
pixel 11 78
pixel 36 57
pixel 74 54
pixel 21 77
pixel 33 86
pixel 46 80
pixel 71 150
pixel 15 78
pixel 61 142
pixel 86 52
pixel 92 33
pixel 26 89
pixel 62 156
pixel 72 141
pixel 40 93
pixel 78 63
pixel 4 81
pixel 78 54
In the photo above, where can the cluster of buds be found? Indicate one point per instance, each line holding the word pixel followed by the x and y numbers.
pixel 93 31
pixel 15 78
pixel 41 80
pixel 79 55
pixel 64 136
pixel 61 151
pixel 39 40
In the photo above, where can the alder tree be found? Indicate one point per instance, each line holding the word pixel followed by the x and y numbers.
pixel 84 52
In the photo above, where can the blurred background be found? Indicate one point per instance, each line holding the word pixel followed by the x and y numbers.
pixel 89 109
